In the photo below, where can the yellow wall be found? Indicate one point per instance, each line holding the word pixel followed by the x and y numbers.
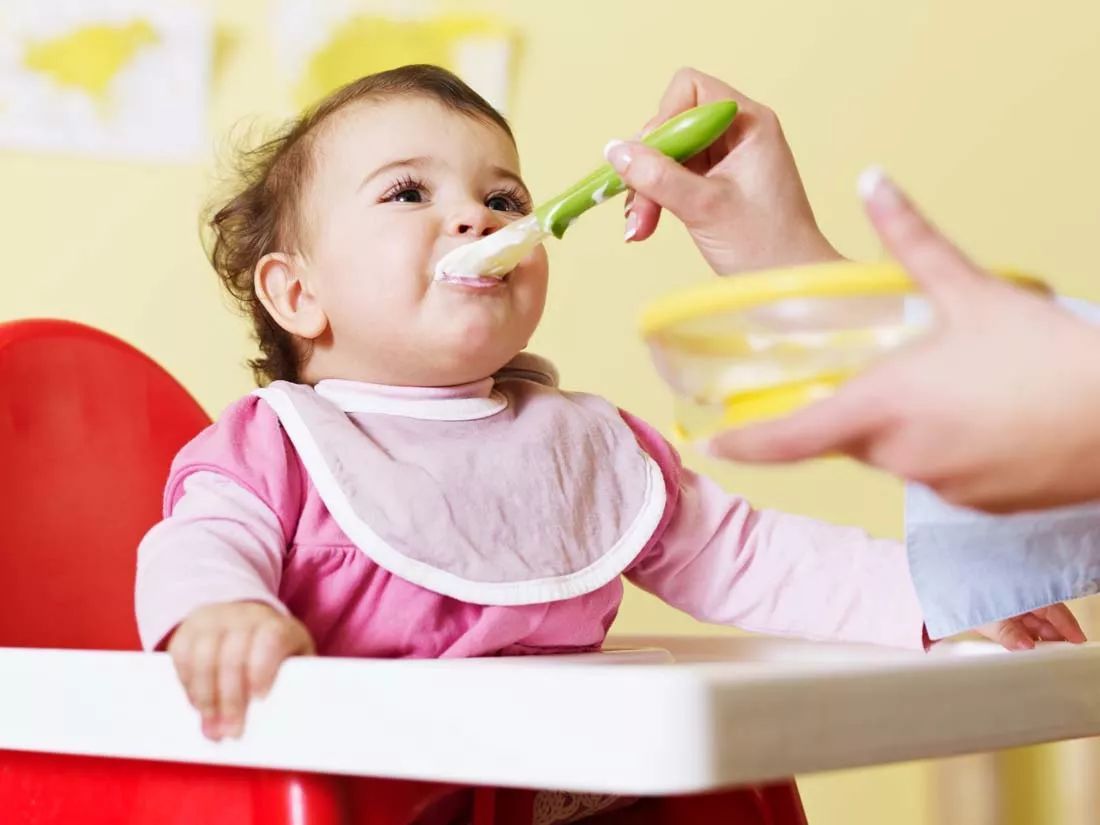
pixel 988 111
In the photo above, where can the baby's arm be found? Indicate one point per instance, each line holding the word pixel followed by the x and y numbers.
pixel 207 584
pixel 776 573
pixel 723 561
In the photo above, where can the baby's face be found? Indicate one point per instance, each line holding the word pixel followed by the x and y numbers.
pixel 396 185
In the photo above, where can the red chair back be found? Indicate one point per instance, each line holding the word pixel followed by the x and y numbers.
pixel 88 429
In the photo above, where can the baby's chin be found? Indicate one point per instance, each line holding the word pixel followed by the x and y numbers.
pixel 470 353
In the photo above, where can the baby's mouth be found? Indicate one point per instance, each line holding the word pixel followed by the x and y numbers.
pixel 474 281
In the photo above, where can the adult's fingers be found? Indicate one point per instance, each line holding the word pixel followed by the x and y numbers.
pixel 1009 634
pixel 1064 622
pixel 690 88
pixel 687 194
pixel 934 262
pixel 835 425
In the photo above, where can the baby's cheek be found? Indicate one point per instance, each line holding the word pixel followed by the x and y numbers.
pixel 391 305
pixel 533 285
pixel 360 303
pixel 540 263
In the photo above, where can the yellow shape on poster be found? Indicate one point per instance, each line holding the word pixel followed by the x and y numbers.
pixel 90 57
pixel 367 44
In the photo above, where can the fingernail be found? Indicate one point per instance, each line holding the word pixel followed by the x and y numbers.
pixel 875 185
pixel 617 153
pixel 631 227
pixel 868 181
pixel 211 729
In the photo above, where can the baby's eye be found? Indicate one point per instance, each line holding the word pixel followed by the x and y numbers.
pixel 408 196
pixel 508 202
pixel 501 203
pixel 406 190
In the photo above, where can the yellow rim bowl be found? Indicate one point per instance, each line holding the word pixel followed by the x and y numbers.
pixel 831 280
pixel 666 322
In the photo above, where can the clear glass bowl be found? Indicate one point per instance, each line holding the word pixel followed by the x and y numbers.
pixel 752 347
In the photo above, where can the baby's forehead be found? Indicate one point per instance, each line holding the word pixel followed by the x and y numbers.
pixel 412 125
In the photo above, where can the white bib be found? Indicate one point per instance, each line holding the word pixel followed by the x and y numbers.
pixel 517 494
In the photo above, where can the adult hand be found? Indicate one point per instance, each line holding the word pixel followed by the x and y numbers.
pixel 741 199
pixel 997 408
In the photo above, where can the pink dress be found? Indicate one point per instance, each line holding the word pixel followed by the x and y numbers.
pixel 493 518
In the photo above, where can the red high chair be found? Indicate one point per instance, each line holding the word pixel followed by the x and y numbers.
pixel 88 429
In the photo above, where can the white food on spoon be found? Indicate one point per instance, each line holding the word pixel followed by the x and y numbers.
pixel 494 255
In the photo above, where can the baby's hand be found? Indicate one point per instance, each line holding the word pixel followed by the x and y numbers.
pixel 1049 624
pixel 226 654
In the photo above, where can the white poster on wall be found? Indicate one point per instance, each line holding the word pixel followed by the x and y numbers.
pixel 119 79
pixel 321 46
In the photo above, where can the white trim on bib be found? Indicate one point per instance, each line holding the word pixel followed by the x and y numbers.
pixel 598 573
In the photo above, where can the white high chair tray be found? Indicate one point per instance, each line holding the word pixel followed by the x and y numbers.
pixel 674 715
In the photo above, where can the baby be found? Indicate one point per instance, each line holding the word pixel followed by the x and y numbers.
pixel 409 482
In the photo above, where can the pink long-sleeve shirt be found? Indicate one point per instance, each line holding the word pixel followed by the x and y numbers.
pixel 244 522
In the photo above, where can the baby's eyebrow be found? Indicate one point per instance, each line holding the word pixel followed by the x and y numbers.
pixel 423 160
pixel 512 176
pixel 395 164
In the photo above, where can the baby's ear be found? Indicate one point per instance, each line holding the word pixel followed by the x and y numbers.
pixel 284 291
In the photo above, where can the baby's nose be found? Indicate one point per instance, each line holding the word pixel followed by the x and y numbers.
pixel 475 221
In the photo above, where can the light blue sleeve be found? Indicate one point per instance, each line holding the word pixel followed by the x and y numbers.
pixel 970 568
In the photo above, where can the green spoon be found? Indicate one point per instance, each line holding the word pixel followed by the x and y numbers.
pixel 498 254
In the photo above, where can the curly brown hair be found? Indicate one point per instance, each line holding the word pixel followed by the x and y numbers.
pixel 262 215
